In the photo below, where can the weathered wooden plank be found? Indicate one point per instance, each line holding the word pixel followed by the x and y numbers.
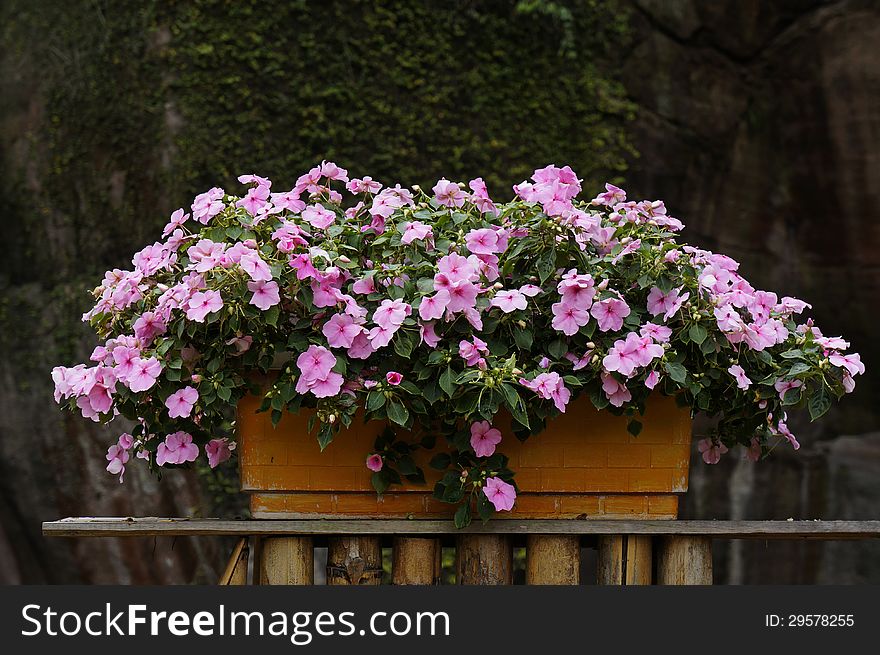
pixel 624 560
pixel 141 527
pixel 553 559
pixel 286 561
pixel 684 560
pixel 354 561
pixel 415 561
pixel 485 559
pixel 237 567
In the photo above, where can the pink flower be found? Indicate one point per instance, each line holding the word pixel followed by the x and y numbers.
pixel 480 196
pixel 341 330
pixel 483 241
pixel 203 303
pixel 785 432
pixel 577 290
pixel 484 438
pixel 255 200
pixel 207 205
pixel 143 374
pixel 393 378
pixel 616 392
pixel 181 402
pixel 652 380
pixel 609 313
pixel 125 358
pixel 659 333
pixel 753 452
pixel 462 296
pixel 852 363
pixel 148 326
pixel 416 231
pixel 712 450
pixel 319 217
pixel 611 197
pixel 205 255
pixel 568 319
pixel 218 451
pixel 364 286
pixel 177 219
pixel 428 334
pixel 118 455
pixel 530 290
pixel 391 314
pixel 783 386
pixel 177 448
pixel 508 301
pixel 501 494
pixel 316 375
pixel 374 462
pixel 255 267
pixel 739 374
pixel 449 193
pixel 665 303
pixel 622 357
pixel 364 185
pixel 471 351
pixel 433 307
pixel 266 294
pixel 550 387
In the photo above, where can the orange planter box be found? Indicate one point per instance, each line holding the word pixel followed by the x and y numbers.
pixel 585 464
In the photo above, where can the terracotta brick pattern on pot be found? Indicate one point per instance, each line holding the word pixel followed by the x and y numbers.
pixel 584 464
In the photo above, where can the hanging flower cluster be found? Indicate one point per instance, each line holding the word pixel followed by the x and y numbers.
pixel 434 311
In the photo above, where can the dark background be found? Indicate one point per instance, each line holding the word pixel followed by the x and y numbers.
pixel 758 123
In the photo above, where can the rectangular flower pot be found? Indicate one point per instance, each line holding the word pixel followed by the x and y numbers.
pixel 584 465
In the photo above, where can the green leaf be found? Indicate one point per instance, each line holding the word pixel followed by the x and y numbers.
pixel 676 371
pixel 441 461
pixel 819 404
pixel 792 396
pixel 558 348
pixel 462 516
pixel 403 344
pixel 792 354
pixel 634 427
pixel 697 333
pixel 515 404
pixel 325 436
pixel 523 338
pixel 380 482
pixel 447 381
pixel 797 369
pixel 485 508
pixel 407 466
pixel 546 264
pixel 397 412
pixel 375 400
pixel 271 315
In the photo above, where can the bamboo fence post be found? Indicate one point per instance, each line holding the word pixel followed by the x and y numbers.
pixel 286 561
pixel 354 561
pixel 553 560
pixel 624 560
pixel 415 561
pixel 237 567
pixel 685 561
pixel 485 559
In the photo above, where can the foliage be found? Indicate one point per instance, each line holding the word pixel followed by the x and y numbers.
pixel 433 312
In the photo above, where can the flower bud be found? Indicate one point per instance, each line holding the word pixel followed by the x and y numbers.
pixel 602 285
pixel 331 419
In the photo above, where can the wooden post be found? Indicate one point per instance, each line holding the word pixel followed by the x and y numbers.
pixel 624 560
pixel 685 560
pixel 286 561
pixel 484 559
pixel 415 561
pixel 553 560
pixel 354 561
pixel 237 568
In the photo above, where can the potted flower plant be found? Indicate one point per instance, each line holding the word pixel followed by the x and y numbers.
pixel 433 344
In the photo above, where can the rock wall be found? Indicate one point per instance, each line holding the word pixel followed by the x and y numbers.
pixel 759 124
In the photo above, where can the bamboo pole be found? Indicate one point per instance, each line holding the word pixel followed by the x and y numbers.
pixel 484 560
pixel 286 561
pixel 237 567
pixel 553 560
pixel 624 560
pixel 415 561
pixel 354 561
pixel 685 561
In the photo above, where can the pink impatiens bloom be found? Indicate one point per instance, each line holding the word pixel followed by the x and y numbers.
pixel 416 231
pixel 391 314
pixel 471 351
pixel 316 375
pixel 484 241
pixel 433 307
pixel 550 387
pixel 616 392
pixel 568 319
pixel 374 462
pixel 652 379
pixel 509 300
pixel 118 455
pixel 181 402
pixel 852 363
pixel 207 205
pixel 266 294
pixel 484 438
pixel 449 193
pixel 393 378
pixel 739 374
pixel 712 450
pixel 203 303
pixel 319 217
pixel 218 451
pixel 143 374
pixel 177 448
pixel 665 303
pixel 783 386
pixel 609 313
pixel 254 266
pixel 659 333
pixel 341 330
pixel 501 494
